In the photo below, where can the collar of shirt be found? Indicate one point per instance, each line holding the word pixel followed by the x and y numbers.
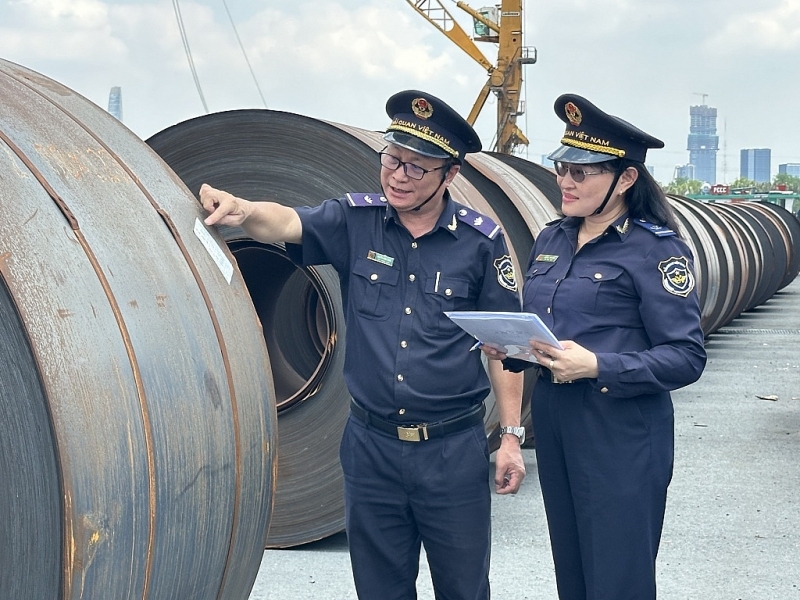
pixel 448 220
pixel 622 226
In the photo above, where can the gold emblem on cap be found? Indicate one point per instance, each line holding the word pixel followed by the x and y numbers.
pixel 422 108
pixel 573 113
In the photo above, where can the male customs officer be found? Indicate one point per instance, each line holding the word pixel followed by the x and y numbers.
pixel 414 452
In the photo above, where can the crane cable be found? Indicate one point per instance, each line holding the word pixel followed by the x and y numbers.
pixel 238 39
pixel 188 50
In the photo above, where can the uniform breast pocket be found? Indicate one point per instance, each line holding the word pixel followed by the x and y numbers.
pixel 602 290
pixel 446 293
pixel 373 288
pixel 538 289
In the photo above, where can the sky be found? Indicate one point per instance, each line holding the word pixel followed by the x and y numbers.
pixel 339 60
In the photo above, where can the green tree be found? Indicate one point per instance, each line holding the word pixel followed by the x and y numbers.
pixel 743 182
pixel 790 181
pixel 683 187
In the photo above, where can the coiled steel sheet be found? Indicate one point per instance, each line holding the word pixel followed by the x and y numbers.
pixel 138 433
pixel 261 154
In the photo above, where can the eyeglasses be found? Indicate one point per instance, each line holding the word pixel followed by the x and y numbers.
pixel 410 169
pixel 578 174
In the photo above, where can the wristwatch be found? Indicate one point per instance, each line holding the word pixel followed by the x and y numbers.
pixel 517 431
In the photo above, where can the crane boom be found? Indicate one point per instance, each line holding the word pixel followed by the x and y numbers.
pixel 440 17
pixel 505 78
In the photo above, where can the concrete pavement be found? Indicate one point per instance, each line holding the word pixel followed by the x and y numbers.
pixel 732 528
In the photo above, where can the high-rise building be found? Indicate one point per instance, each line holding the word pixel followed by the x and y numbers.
pixel 684 172
pixel 789 169
pixel 703 142
pixel 115 102
pixel 755 164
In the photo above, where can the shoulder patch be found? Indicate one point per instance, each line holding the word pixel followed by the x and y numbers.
pixel 676 276
pixel 357 199
pixel 505 273
pixel 478 221
pixel 658 230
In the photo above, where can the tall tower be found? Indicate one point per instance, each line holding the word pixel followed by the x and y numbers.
pixel 703 142
pixel 756 164
pixel 115 102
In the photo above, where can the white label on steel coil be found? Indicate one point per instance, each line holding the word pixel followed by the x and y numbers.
pixel 216 253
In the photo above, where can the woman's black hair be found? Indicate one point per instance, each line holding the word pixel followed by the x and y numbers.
pixel 645 198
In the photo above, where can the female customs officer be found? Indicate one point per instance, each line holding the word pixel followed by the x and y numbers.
pixel 614 282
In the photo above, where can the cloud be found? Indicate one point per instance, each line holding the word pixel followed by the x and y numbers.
pixel 763 29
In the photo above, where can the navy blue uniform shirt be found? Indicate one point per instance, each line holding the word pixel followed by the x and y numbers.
pixel 406 361
pixel 629 296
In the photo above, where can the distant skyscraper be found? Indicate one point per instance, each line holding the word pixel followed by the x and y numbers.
pixel 684 172
pixel 115 102
pixel 703 142
pixel 789 169
pixel 756 164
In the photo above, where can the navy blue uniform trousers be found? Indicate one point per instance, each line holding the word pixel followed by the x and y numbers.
pixel 399 495
pixel 604 466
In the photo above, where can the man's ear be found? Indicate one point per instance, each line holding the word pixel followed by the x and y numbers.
pixel 451 174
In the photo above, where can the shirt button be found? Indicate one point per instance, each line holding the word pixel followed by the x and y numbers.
pixel 603 390
pixel 412 277
pixel 373 277
pixel 598 275
pixel 413 244
pixel 400 378
pixel 402 411
pixel 408 310
pixel 548 310
pixel 448 292
pixel 404 344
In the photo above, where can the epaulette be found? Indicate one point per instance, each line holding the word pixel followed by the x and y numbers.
pixel 354 199
pixel 658 230
pixel 478 221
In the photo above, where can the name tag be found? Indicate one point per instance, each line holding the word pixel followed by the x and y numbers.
pixel 547 258
pixel 380 258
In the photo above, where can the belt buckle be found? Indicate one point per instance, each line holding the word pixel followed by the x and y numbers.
pixel 412 434
pixel 555 379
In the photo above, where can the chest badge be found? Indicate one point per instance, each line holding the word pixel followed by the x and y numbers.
pixel 676 277
pixel 380 258
pixel 453 224
pixel 505 273
pixel 547 258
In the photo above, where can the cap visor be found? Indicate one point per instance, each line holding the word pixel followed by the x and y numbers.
pixel 577 156
pixel 415 144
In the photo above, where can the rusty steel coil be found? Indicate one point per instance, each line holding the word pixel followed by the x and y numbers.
pixel 138 434
pixel 263 154
pixel 745 252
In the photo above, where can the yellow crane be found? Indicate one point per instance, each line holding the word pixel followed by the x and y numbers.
pixel 500 25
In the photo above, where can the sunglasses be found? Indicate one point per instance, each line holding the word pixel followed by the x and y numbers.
pixel 578 174
pixel 410 169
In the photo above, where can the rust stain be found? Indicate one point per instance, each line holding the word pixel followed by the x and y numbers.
pixel 68 163
pixel 64 313
pixel 92 532
pixel 161 300
pixel 134 304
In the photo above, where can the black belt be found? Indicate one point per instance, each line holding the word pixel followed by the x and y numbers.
pixel 419 432
pixel 547 374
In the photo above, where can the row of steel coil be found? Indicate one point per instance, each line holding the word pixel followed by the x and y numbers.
pixel 744 254
pixel 174 395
